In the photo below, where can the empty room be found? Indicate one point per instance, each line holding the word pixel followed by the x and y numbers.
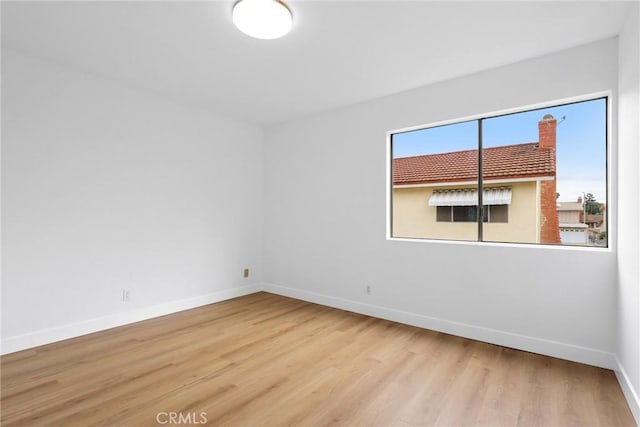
pixel 303 213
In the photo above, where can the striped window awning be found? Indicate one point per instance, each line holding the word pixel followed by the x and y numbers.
pixel 469 197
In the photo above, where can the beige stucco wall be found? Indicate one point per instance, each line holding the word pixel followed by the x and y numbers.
pixel 413 217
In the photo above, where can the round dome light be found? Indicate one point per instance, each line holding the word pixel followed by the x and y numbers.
pixel 262 19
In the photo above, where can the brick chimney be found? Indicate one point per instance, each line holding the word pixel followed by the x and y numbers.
pixel 547 132
pixel 549 222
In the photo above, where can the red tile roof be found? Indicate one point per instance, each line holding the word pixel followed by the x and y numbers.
pixel 504 162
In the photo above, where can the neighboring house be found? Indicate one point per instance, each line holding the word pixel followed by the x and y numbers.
pixel 575 228
pixel 435 196
pixel 598 221
pixel 571 212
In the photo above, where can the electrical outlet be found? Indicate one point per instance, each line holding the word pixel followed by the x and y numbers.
pixel 369 289
pixel 126 295
pixel 245 273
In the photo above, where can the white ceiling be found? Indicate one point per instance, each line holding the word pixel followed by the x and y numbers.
pixel 338 53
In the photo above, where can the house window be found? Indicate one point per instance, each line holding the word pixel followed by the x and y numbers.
pixel 539 176
pixel 444 214
pixel 495 213
pixel 465 213
pixel 499 213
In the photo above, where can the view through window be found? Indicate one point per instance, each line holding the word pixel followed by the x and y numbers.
pixel 540 176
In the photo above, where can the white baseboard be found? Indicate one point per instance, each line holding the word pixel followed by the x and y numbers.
pixel 632 396
pixel 560 350
pixel 58 333
pixel 521 342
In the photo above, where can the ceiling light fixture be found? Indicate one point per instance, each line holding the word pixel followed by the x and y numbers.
pixel 262 19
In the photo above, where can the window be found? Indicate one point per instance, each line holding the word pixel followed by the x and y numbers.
pixel 497 213
pixel 444 214
pixel 465 213
pixel 540 176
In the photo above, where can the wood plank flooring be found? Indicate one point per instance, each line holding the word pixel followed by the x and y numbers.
pixel 264 360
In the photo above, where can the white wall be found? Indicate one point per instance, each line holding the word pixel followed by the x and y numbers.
pixel 325 221
pixel 629 210
pixel 104 188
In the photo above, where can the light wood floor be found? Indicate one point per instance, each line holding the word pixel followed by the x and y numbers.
pixel 268 360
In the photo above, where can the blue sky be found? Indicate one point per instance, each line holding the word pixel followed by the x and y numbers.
pixel 581 143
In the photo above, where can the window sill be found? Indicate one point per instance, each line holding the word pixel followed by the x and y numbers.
pixel 607 249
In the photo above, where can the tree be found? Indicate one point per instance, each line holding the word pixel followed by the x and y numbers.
pixel 591 206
